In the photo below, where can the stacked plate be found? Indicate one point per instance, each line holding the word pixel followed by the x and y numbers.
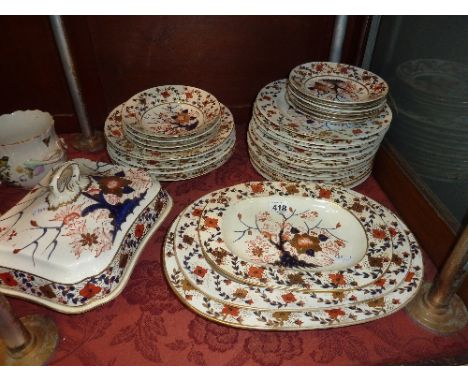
pixel 334 91
pixel 174 132
pixel 432 101
pixel 287 144
pixel 291 256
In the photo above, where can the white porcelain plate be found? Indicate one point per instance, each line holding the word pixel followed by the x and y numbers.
pixel 272 104
pixel 337 83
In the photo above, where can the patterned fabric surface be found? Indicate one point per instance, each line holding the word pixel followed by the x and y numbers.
pixel 147 325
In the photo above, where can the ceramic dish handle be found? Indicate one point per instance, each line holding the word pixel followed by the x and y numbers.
pixel 66 185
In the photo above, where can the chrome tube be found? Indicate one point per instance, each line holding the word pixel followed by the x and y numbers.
pixel 12 331
pixel 339 34
pixel 371 40
pixel 71 74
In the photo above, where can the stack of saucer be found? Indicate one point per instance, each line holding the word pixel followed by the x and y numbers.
pixel 174 132
pixel 333 91
pixel 287 144
pixel 291 256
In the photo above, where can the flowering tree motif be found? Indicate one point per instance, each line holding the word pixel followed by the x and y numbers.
pixel 288 239
pixel 337 88
pixel 173 118
pixel 13 219
pixel 115 185
pixel 109 211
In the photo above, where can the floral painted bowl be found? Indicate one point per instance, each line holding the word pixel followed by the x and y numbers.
pixel 171 113
pixel 72 242
pixel 29 147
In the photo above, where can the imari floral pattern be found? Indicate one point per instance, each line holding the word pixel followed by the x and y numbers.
pixel 324 169
pixel 111 242
pixel 225 301
pixel 176 167
pixel 171 111
pixel 199 274
pixel 192 172
pixel 174 164
pixel 278 174
pixel 299 240
pixel 334 82
pixel 281 116
pixel 115 136
pixel 280 151
pixel 166 145
pixel 306 151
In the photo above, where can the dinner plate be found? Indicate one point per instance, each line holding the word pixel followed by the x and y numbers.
pixel 273 175
pixel 181 175
pixel 333 106
pixel 278 173
pixel 334 144
pixel 273 106
pixel 114 134
pixel 337 83
pixel 182 166
pixel 308 154
pixel 324 114
pixel 302 156
pixel 307 170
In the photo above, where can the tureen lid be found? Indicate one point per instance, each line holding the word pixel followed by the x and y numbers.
pixel 71 225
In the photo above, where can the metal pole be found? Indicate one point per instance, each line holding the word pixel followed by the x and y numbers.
pixel 371 40
pixel 88 141
pixel 12 331
pixel 437 307
pixel 28 341
pixel 339 34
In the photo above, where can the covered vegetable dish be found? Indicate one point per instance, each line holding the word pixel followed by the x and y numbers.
pixel 72 242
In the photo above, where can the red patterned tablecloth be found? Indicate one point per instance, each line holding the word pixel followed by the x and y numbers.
pixel 147 325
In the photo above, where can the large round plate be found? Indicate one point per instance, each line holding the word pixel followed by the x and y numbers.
pixel 345 149
pixel 272 104
pixel 114 134
pixel 171 111
pixel 337 83
pixel 281 231
pixel 274 175
pixel 306 170
pixel 173 167
pixel 166 145
pixel 302 157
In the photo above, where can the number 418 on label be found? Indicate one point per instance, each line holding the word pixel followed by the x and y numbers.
pixel 279 206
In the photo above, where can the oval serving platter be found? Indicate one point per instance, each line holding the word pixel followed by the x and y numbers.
pixel 224 312
pixel 304 228
pixel 197 270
